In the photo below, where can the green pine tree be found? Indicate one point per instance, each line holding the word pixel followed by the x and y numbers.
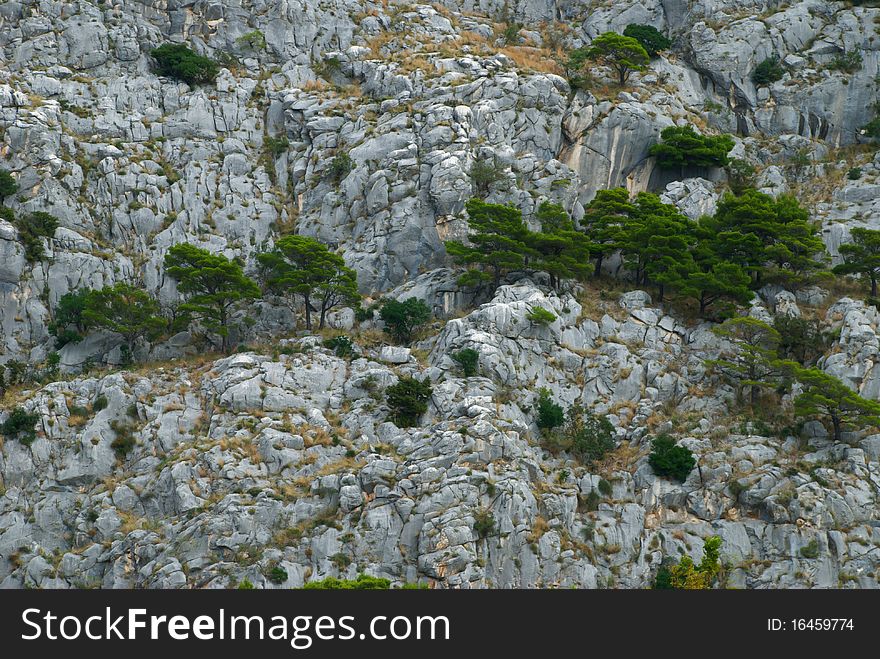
pixel 862 256
pixel 304 267
pixel 215 286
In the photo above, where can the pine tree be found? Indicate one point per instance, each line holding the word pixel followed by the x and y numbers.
pixel 561 250
pixel 498 243
pixel 303 266
pixel 825 396
pixel 622 54
pixel 862 256
pixel 683 146
pixel 125 310
pixel 752 361
pixel 604 220
pixel 214 285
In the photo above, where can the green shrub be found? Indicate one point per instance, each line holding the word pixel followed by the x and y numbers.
pixel 683 146
pixel 872 128
pixel 20 425
pixel 670 461
pixel 32 228
pixel 770 70
pixel 408 400
pixel 276 146
pixel 245 585
pixel 650 37
pixel 811 550
pixel 363 582
pixel 402 318
pixel 484 523
pixel 339 168
pixel 469 361
pixel 592 437
pixel 687 576
pixel 342 346
pixel 854 174
pixel 253 40
pixel 740 175
pixel 848 61
pixel 100 403
pixel 541 316
pixel 277 575
pixel 484 173
pixel 8 185
pixel 124 441
pixel 605 488
pixel 177 61
pixel 550 415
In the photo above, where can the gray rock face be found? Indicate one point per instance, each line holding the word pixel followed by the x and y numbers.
pixel 367 127
pixel 248 462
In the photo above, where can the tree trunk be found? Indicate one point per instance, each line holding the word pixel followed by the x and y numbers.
pixel 224 332
pixel 835 421
pixel 660 293
pixel 308 304
pixel 598 271
pixel 873 286
pixel 702 303
pixel 323 315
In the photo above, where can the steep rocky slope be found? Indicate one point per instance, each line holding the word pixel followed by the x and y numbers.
pixel 282 455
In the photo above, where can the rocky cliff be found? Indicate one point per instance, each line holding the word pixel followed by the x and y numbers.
pixel 282 454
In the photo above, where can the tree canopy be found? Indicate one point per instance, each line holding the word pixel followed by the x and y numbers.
pixel 651 39
pixel 125 310
pixel 826 397
pixel 176 60
pixel 683 146
pixel 303 266
pixel 752 361
pixel 214 286
pixel 621 53
pixel 862 256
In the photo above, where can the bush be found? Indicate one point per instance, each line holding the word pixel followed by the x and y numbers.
pixel 550 415
pixel 253 40
pixel 339 168
pixel 687 576
pixel 650 37
pixel 854 174
pixel 177 61
pixel 342 346
pixel 848 62
pixel 811 550
pixel 20 425
pixel 8 185
pixel 741 175
pixel 276 146
pixel 402 318
pixel 484 523
pixel 100 403
pixel 363 582
pixel 408 400
pixel 770 70
pixel 277 575
pixel 872 128
pixel 682 146
pixel 245 585
pixel 124 441
pixel 32 228
pixel 541 316
pixel 670 461
pixel 592 437
pixel 484 173
pixel 469 361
